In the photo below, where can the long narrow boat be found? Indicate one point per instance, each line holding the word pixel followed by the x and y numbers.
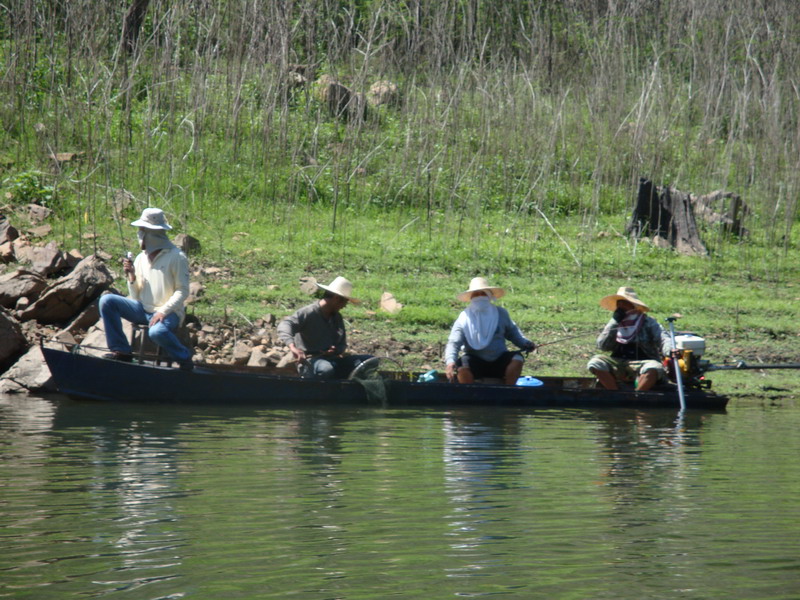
pixel 81 376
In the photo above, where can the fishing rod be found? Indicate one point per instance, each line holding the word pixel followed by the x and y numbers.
pixel 743 366
pixel 569 337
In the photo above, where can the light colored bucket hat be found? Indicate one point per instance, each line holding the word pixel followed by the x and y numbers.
pixel 152 218
pixel 479 284
pixel 623 293
pixel 341 287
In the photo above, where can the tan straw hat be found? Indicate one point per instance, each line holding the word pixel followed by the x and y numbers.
pixel 152 218
pixel 623 293
pixel 479 284
pixel 341 287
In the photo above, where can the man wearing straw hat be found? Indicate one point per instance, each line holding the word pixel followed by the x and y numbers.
pixel 316 337
pixel 482 330
pixel 635 340
pixel 158 285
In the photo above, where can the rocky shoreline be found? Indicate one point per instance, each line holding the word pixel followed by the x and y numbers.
pixel 48 295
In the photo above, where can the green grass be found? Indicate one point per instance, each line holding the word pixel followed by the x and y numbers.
pixel 520 165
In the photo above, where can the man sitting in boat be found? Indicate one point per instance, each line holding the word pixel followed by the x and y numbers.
pixel 316 336
pixel 158 285
pixel 635 340
pixel 482 330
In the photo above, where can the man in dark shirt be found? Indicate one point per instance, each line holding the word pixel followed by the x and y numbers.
pixel 635 340
pixel 316 336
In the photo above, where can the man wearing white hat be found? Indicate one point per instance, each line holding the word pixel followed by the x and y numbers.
pixel 316 336
pixel 635 340
pixel 482 330
pixel 158 285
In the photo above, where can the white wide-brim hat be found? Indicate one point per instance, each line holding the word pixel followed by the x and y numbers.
pixel 341 287
pixel 623 293
pixel 152 218
pixel 479 284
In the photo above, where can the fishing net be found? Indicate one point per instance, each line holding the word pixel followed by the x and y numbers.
pixel 368 375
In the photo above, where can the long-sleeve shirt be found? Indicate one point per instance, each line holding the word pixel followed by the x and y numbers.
pixel 163 285
pixel 312 332
pixel 506 330
pixel 651 341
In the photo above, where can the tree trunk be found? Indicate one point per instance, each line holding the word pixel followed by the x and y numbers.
pixel 132 24
pixel 666 214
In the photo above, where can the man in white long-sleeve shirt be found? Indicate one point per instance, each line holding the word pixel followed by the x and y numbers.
pixel 158 285
pixel 482 330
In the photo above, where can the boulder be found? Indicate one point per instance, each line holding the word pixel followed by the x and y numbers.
pixel 308 285
pixel 20 284
pixel 8 233
pixel 87 317
pixel 23 251
pixel 241 353
pixel 258 357
pixel 390 304
pixel 38 213
pixel 187 243
pixel 12 342
pixel 383 92
pixel 40 231
pixel 94 344
pixel 28 374
pixel 70 294
pixel 196 290
pixel 7 252
pixel 288 359
pixel 47 260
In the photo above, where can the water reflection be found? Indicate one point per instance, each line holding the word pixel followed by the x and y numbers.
pixel 100 492
pixel 216 503
pixel 481 455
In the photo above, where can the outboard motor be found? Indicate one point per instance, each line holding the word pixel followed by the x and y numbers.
pixel 691 363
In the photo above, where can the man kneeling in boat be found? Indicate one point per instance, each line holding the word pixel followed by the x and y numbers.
pixel 158 285
pixel 636 342
pixel 482 330
pixel 316 336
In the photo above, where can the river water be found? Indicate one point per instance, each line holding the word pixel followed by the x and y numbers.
pixel 148 502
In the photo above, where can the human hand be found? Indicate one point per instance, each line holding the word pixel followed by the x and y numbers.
pixel 450 372
pixel 157 318
pixel 531 347
pixel 619 314
pixel 127 268
pixel 298 354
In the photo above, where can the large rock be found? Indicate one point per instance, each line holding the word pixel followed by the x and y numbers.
pixel 88 317
pixel 94 344
pixel 28 374
pixel 187 243
pixel 12 342
pixel 47 259
pixel 68 295
pixel 20 284
pixel 8 233
pixel 383 92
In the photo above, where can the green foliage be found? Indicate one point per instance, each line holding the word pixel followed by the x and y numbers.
pixel 27 188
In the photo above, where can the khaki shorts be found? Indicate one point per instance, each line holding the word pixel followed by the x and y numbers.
pixel 625 370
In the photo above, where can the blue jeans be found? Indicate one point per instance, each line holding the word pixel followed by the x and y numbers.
pixel 114 308
pixel 330 367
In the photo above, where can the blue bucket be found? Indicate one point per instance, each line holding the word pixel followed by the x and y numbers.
pixel 529 381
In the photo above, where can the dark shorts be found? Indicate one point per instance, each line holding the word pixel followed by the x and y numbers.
pixel 481 368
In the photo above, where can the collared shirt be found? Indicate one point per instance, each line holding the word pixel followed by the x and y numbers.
pixel 312 332
pixel 506 330
pixel 163 285
pixel 651 341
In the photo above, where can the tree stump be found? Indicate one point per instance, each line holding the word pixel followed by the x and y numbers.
pixel 666 214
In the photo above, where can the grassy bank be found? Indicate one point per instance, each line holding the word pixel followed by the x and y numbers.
pixel 513 152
